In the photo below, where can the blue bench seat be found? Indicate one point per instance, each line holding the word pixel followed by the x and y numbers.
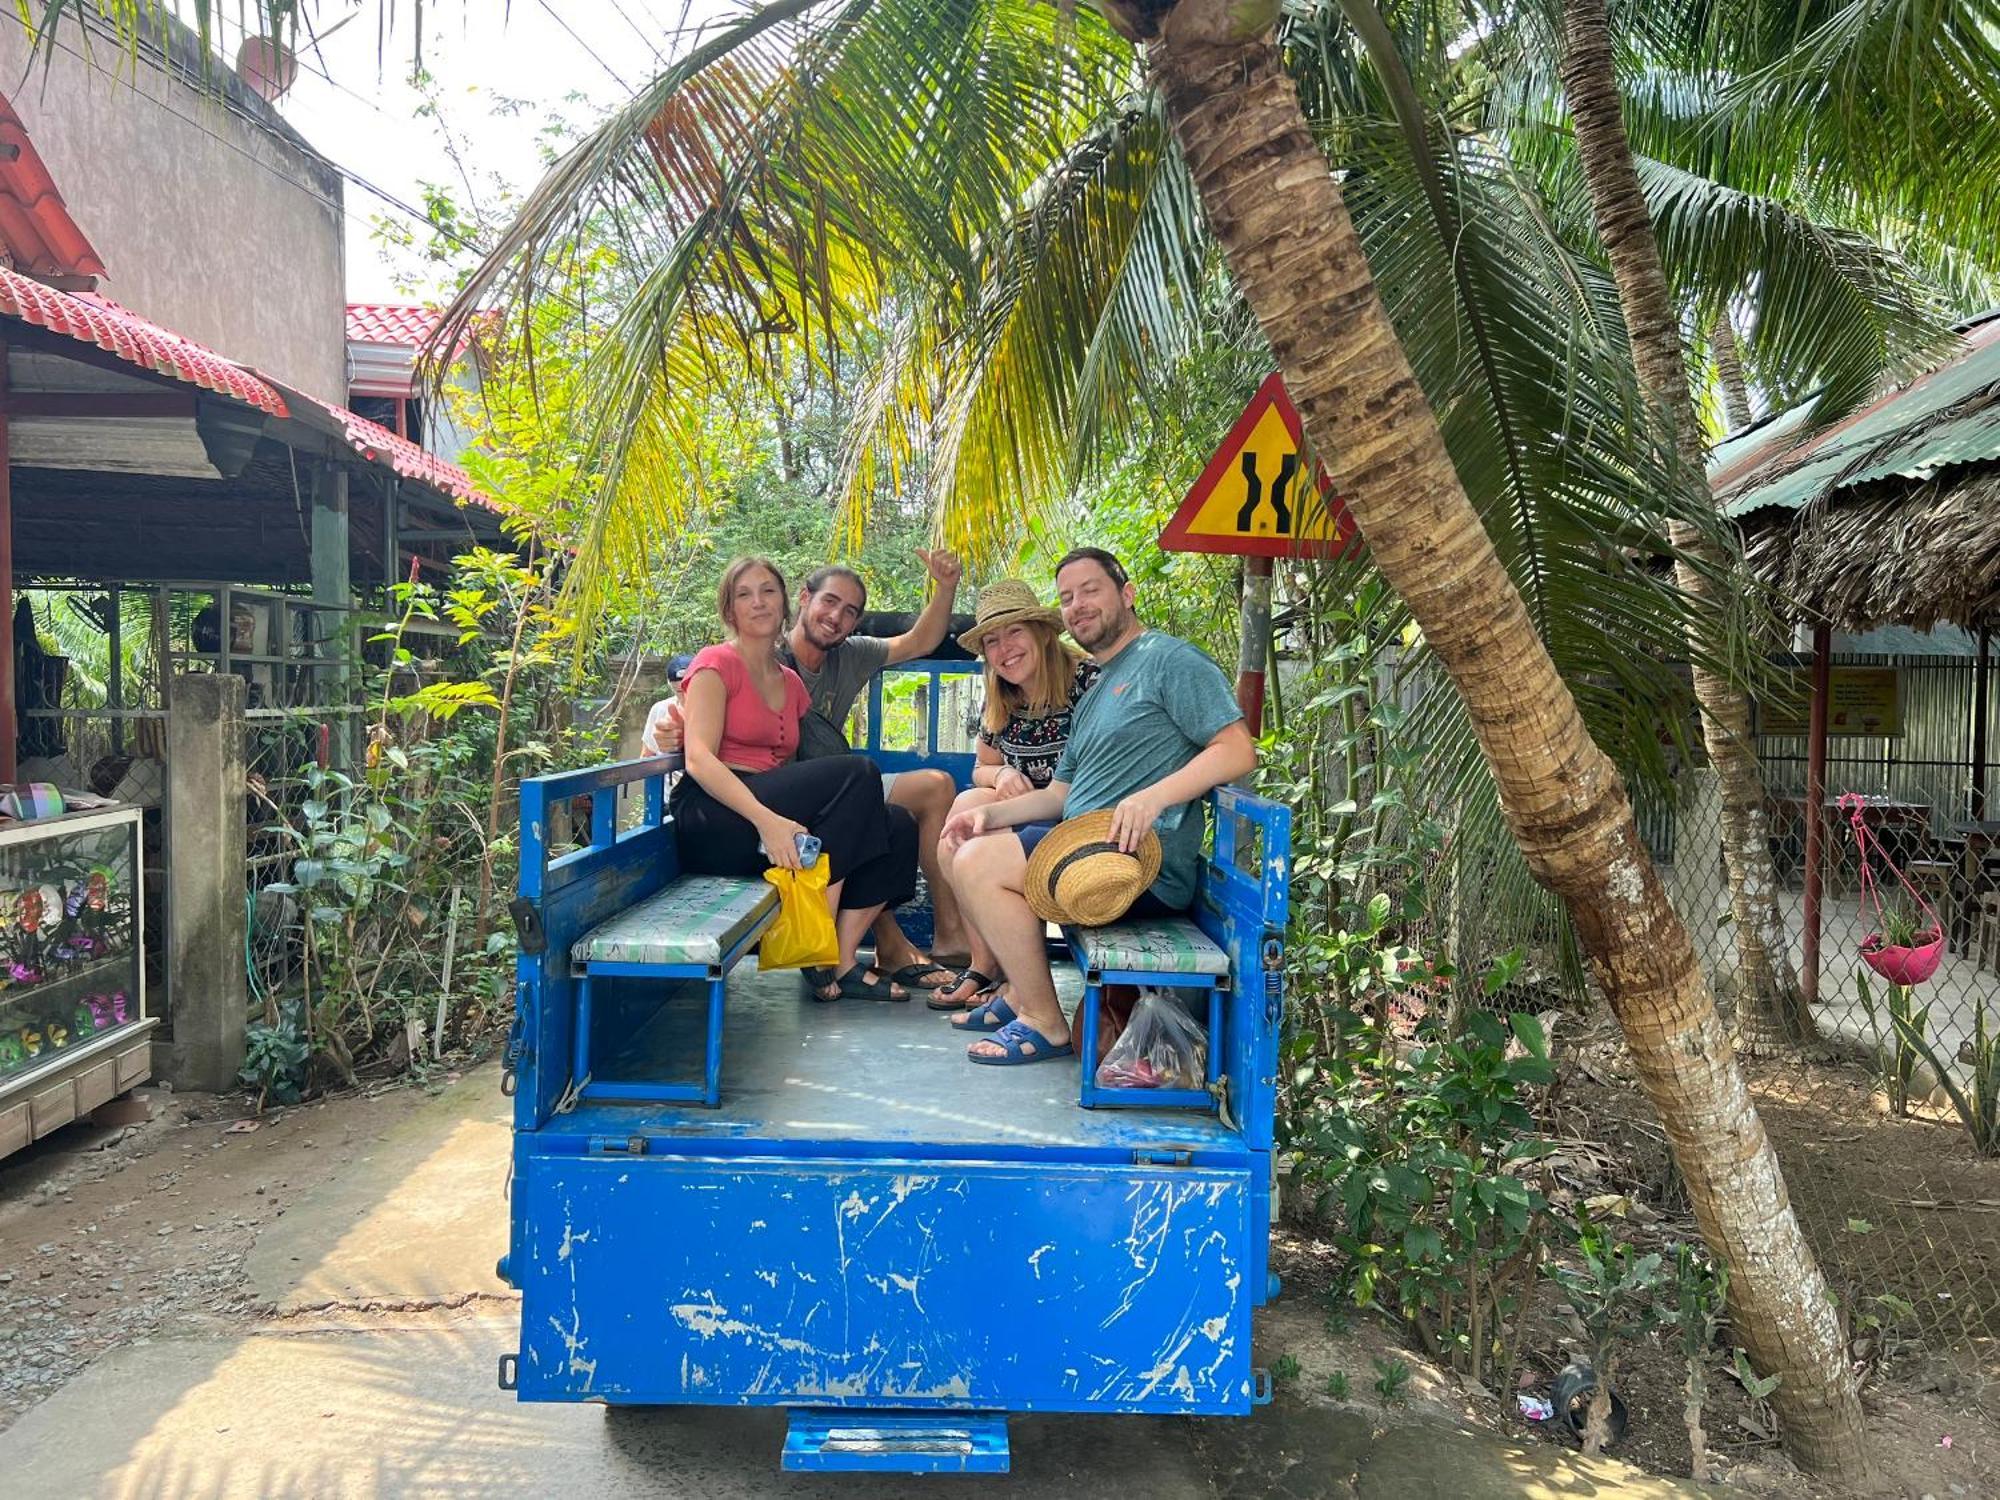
pixel 1164 952
pixel 698 927
pixel 696 920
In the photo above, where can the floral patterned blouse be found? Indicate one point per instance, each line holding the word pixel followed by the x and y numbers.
pixel 1033 743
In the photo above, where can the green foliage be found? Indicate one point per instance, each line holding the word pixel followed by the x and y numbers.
pixel 1284 1369
pixel 391 859
pixel 1336 1385
pixel 1757 1387
pixel 1701 1295
pixel 1898 1049
pixel 1420 1159
pixel 1392 1380
pixel 274 1062
pixel 1617 1293
pixel 1904 924
pixel 1976 1098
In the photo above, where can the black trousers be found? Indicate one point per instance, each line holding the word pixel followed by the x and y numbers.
pixel 870 846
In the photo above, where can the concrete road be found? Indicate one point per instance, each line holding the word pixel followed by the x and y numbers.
pixel 371 1373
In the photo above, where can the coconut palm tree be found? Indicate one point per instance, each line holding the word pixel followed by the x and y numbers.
pixel 1770 1007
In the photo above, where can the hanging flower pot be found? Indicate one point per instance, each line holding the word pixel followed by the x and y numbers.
pixel 1905 964
pixel 1907 943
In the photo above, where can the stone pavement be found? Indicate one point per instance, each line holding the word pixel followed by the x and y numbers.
pixel 373 1375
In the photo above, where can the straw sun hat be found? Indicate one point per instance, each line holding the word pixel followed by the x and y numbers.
pixel 1004 602
pixel 1077 875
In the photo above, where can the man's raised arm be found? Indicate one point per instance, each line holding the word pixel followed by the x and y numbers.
pixel 922 638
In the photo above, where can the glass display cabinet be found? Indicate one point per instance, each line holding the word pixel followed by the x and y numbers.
pixel 74 1032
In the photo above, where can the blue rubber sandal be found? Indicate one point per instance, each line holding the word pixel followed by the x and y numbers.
pixel 992 1016
pixel 1016 1036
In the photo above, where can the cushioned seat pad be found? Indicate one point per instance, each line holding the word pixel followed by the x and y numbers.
pixel 695 920
pixel 1161 945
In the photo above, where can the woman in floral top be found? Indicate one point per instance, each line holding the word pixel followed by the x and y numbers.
pixel 1033 681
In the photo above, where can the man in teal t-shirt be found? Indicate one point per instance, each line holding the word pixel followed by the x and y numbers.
pixel 1158 731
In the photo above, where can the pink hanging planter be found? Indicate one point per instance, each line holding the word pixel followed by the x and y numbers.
pixel 1899 964
pixel 1904 966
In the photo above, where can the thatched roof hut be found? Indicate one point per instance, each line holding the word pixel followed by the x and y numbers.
pixel 1891 516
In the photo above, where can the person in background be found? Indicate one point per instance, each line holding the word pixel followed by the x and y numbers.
pixel 1034 679
pixel 1159 730
pixel 746 798
pixel 835 665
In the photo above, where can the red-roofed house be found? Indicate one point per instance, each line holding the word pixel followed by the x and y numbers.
pixel 175 425
pixel 385 341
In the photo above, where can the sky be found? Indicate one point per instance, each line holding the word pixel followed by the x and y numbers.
pixel 354 102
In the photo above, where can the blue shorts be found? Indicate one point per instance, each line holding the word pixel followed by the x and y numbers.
pixel 1031 834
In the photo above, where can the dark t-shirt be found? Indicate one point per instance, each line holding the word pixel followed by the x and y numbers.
pixel 833 689
pixel 1033 743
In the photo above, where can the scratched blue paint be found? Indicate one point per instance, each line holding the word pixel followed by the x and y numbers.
pixel 897 1284
pixel 798 1247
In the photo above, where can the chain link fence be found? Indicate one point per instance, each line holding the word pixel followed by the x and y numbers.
pixel 1886 1173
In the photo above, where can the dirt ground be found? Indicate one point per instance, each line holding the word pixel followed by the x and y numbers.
pixel 119 1236
pixel 1906 1424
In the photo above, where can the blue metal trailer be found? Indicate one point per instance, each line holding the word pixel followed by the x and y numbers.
pixel 725 1195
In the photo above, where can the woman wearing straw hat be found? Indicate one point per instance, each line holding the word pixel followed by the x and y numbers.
pixel 1033 682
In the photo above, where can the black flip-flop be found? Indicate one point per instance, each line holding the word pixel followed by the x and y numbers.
pixel 911 976
pixel 987 985
pixel 854 987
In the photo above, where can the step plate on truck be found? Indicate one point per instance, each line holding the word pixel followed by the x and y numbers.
pixel 877 1442
pixel 981 1286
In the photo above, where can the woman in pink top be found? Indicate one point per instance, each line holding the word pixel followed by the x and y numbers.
pixel 743 788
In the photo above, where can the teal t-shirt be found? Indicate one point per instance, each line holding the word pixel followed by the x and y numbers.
pixel 1155 707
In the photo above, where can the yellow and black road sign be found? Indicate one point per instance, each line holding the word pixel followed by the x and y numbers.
pixel 1254 498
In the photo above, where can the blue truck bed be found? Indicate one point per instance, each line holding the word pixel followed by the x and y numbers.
pixel 899 1246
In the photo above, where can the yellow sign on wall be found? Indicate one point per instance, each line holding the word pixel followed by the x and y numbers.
pixel 1860 701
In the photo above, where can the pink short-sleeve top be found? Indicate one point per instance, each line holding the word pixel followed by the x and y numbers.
pixel 753 736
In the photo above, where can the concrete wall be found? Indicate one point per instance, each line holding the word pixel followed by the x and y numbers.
pixel 211 216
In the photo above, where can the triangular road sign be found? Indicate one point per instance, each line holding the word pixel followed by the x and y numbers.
pixel 1253 498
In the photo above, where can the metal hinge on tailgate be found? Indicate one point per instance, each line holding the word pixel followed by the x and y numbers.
pixel 618 1145
pixel 1162 1157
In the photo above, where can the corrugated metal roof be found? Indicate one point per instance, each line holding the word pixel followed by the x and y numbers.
pixel 1945 419
pixel 35 225
pixel 90 319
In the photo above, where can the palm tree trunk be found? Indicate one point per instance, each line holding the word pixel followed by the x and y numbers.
pixel 1729 374
pixel 1284 230
pixel 1770 1013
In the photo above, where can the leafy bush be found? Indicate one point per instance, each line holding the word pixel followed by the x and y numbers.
pixel 274 1062
pixel 1420 1159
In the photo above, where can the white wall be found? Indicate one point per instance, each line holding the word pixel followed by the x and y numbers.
pixel 210 224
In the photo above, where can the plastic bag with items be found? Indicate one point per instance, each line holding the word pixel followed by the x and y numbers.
pixel 1162 1047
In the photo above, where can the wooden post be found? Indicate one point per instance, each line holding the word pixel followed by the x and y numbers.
pixel 1250 654
pixel 1980 665
pixel 10 727
pixel 1815 810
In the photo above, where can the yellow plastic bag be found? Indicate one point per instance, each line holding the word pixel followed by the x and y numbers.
pixel 802 934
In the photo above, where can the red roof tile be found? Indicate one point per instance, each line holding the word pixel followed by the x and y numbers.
pixel 36 230
pixel 378 444
pixel 90 319
pixel 409 324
